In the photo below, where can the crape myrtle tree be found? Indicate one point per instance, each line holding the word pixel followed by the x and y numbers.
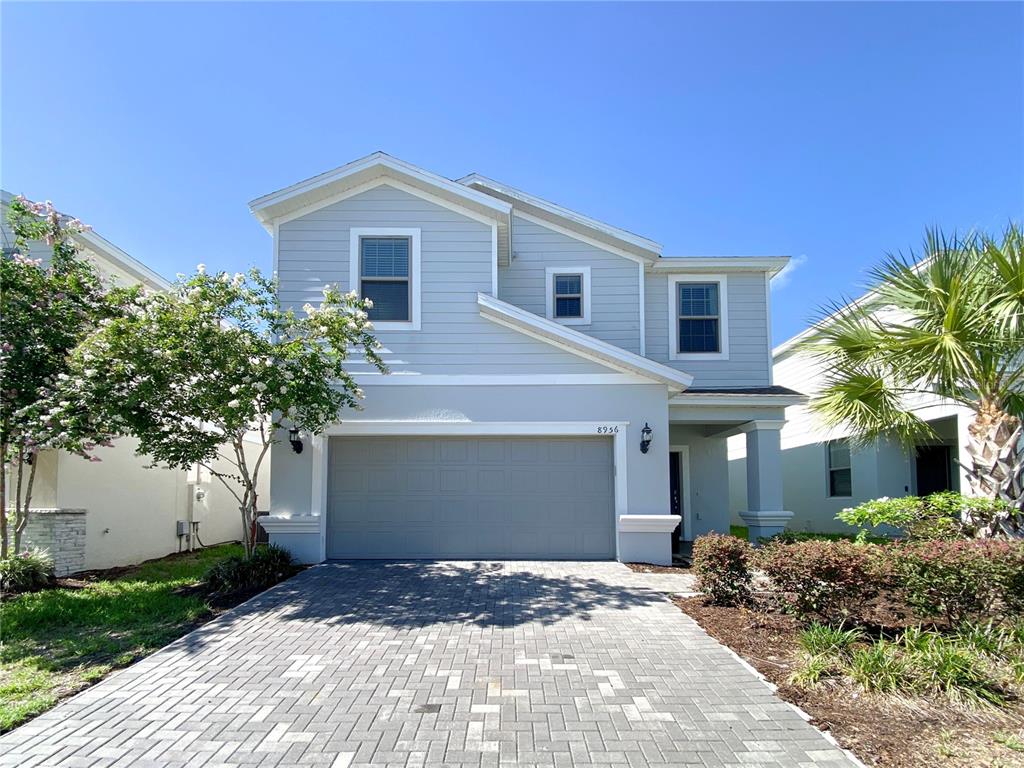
pixel 948 322
pixel 198 371
pixel 44 314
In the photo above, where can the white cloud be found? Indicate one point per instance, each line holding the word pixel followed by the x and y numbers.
pixel 781 280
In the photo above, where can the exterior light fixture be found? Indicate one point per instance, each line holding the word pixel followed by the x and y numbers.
pixel 293 438
pixel 645 438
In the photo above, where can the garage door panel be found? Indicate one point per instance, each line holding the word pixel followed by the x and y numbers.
pixel 488 497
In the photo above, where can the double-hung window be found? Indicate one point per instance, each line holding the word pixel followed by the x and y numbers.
pixel 840 473
pixel 697 317
pixel 384 277
pixel 568 295
pixel 385 269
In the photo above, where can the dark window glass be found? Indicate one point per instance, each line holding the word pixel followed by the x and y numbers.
pixel 840 474
pixel 384 270
pixel 568 295
pixel 699 317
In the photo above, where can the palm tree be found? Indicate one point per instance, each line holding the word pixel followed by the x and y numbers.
pixel 948 323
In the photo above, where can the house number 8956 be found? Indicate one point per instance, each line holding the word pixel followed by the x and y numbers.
pixel 612 430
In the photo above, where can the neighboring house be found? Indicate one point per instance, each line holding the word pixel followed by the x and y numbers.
pixel 117 511
pixel 823 474
pixel 533 352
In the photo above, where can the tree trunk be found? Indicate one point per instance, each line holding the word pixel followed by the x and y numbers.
pixel 23 512
pixel 3 500
pixel 997 461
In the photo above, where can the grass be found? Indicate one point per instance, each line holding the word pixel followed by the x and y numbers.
pixel 58 641
pixel 742 532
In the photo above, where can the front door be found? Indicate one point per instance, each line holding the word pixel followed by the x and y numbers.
pixel 675 497
pixel 933 469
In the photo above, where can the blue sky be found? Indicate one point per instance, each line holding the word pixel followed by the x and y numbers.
pixel 829 132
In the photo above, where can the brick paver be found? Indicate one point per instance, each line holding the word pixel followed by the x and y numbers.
pixel 435 664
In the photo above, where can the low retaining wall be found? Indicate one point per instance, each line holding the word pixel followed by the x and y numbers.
pixel 62 533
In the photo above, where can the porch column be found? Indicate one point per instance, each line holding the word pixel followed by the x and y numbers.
pixel 764 516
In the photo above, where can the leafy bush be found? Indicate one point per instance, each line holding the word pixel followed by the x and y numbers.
pixel 949 668
pixel 267 566
pixel 944 515
pixel 722 565
pixel 961 580
pixel 26 571
pixel 880 668
pixel 828 579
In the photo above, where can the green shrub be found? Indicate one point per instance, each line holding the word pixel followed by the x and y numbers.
pixel 961 580
pixel 26 571
pixel 880 668
pixel 944 515
pixel 828 579
pixel 811 670
pixel 824 640
pixel 267 566
pixel 722 565
pixel 946 667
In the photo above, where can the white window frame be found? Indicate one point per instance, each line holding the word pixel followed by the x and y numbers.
pixel 673 317
pixel 829 469
pixel 415 284
pixel 549 291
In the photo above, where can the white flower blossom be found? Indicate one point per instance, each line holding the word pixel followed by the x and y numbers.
pixel 201 269
pixel 233 404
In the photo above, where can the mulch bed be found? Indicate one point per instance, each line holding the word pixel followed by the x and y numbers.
pixel 880 730
pixel 677 567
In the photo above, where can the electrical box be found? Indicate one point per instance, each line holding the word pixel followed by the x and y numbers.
pixel 182 527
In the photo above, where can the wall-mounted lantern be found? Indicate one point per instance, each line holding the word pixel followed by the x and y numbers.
pixel 645 438
pixel 293 438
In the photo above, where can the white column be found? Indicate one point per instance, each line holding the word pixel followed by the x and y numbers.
pixel 765 516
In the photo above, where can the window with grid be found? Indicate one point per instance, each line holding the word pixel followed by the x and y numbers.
pixel 384 277
pixel 568 296
pixel 840 477
pixel 698 317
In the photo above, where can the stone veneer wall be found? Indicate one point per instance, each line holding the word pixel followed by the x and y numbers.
pixel 62 533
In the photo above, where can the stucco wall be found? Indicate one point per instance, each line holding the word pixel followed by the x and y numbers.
pixel 647 474
pixel 708 495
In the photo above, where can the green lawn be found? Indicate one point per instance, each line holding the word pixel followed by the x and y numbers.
pixel 58 641
pixel 741 532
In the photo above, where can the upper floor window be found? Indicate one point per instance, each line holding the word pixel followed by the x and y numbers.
pixel 384 277
pixel 568 295
pixel 385 269
pixel 840 471
pixel 698 327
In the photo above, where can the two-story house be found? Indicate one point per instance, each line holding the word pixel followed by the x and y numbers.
pixel 558 390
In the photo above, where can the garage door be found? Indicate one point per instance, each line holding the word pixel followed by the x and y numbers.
pixel 426 497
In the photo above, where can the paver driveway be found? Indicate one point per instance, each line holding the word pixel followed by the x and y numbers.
pixel 431 664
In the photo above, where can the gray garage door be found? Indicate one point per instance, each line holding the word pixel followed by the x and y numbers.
pixel 425 497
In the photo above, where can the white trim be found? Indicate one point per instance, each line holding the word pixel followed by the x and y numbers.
pixel 768 322
pixel 564 213
pixel 723 317
pixel 768 264
pixel 276 237
pixel 121 258
pixel 318 492
pixel 278 524
pixel 415 286
pixel 549 289
pixel 578 236
pixel 494 260
pixel 402 379
pixel 758 425
pixel 648 523
pixel 642 285
pixel 366 186
pixel 685 498
pixel 730 399
pixel 580 344
pixel 619 437
pixel 383 161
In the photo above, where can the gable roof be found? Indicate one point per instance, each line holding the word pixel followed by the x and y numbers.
pixel 581 344
pixel 106 250
pixel 639 247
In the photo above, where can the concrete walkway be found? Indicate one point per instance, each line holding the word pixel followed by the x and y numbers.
pixel 435 664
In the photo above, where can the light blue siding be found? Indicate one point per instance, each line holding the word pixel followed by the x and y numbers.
pixel 749 359
pixel 614 306
pixel 456 264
